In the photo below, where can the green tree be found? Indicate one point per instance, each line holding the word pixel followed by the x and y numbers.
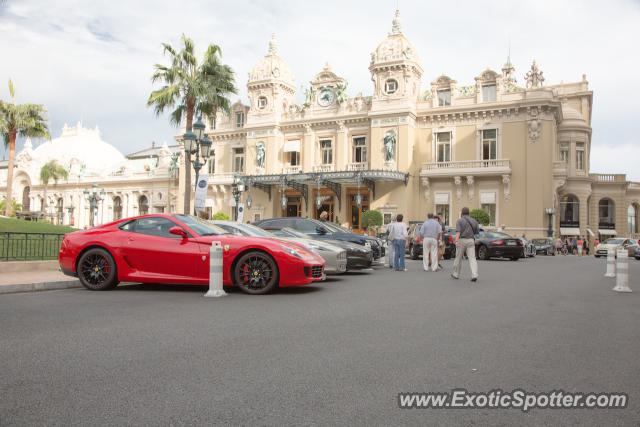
pixel 190 87
pixel 481 216
pixel 24 120
pixel 51 170
pixel 371 218
pixel 220 216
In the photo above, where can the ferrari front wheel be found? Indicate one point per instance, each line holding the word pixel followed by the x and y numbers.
pixel 256 273
pixel 97 270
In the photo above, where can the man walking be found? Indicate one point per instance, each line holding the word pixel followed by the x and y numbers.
pixel 390 253
pixel 431 232
pixel 466 229
pixel 398 235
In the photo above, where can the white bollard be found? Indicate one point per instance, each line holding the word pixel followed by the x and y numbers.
pixel 611 263
pixel 215 272
pixel 622 272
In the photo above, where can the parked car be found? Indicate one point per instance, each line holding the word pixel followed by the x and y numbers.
pixel 174 248
pixel 323 231
pixel 544 246
pixel 616 243
pixel 529 247
pixel 637 254
pixel 493 244
pixel 415 249
pixel 357 256
pixel 335 257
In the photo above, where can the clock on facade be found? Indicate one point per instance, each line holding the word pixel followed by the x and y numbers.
pixel 326 97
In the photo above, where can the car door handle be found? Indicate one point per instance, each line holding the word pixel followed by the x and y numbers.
pixel 131 239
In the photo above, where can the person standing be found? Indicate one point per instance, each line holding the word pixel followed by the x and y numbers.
pixel 466 229
pixel 441 244
pixel 431 232
pixel 390 252
pixel 398 235
pixel 324 216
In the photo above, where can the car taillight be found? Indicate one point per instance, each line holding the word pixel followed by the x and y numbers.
pixel 498 243
pixel 519 243
pixel 450 238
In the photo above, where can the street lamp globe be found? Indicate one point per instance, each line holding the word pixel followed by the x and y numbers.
pixel 205 147
pixel 189 139
pixel 198 128
pixel 249 201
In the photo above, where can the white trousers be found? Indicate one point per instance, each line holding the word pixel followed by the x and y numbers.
pixel 390 254
pixel 468 246
pixel 430 249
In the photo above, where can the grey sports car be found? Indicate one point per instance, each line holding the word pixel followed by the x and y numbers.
pixel 335 257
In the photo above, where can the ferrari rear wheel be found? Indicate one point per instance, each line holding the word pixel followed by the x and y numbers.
pixel 256 273
pixel 97 270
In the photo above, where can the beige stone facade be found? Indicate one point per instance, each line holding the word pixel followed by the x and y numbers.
pixel 513 150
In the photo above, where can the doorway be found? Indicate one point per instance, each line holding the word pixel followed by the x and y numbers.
pixel 294 206
pixel 358 211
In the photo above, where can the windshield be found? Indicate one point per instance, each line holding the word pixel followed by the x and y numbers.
pixel 540 241
pixel 334 227
pixel 614 242
pixel 200 226
pixel 253 230
pixel 294 233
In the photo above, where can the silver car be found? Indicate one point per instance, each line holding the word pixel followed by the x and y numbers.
pixel 335 257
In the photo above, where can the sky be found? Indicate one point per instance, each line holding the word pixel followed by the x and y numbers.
pixel 91 60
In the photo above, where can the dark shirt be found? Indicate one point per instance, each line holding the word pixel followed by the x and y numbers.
pixel 467 227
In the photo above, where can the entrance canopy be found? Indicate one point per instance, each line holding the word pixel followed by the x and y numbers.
pixel 332 180
pixel 606 232
pixel 565 231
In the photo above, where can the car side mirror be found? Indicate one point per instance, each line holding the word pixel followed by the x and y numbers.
pixel 178 232
pixel 321 230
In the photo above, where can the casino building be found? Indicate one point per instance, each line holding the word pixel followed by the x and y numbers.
pixel 521 152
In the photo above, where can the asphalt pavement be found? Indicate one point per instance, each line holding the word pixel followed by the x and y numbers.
pixel 335 353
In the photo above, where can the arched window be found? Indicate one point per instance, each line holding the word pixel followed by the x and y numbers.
pixel 570 211
pixel 143 205
pixel 632 218
pixel 117 208
pixel 606 214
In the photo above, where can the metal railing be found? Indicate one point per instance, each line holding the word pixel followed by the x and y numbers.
pixel 29 246
pixel 468 164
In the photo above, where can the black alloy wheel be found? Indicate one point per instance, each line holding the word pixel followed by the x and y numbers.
pixel 483 252
pixel 256 273
pixel 97 270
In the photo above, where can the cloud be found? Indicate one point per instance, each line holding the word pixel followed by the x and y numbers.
pixel 616 159
pixel 92 60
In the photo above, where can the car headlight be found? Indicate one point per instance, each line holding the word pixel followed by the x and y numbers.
pixel 291 251
pixel 367 244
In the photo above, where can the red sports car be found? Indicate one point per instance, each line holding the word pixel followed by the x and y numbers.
pixel 161 248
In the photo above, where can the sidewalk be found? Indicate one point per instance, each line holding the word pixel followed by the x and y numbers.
pixel 29 281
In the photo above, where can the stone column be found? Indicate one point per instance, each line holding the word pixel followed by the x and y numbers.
pixel 341 150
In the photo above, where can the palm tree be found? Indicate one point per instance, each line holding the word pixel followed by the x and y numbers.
pixel 191 88
pixel 25 120
pixel 51 170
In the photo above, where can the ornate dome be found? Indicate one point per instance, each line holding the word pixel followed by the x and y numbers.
pixel 79 149
pixel 395 47
pixel 272 67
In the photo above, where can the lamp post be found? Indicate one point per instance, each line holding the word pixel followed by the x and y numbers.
pixel 236 190
pixel 196 142
pixel 550 212
pixel 93 196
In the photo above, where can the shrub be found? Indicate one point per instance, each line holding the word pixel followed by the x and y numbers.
pixel 221 216
pixel 15 207
pixel 481 216
pixel 371 218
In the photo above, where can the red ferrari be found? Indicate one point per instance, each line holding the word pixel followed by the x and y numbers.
pixel 161 248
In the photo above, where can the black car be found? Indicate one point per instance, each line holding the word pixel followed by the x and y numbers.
pixel 358 256
pixel 324 231
pixel 493 244
pixel 544 246
pixel 415 249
